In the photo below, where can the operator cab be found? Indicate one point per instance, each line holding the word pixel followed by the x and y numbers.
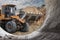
pixel 8 10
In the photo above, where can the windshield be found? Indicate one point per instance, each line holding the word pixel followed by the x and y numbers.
pixel 12 10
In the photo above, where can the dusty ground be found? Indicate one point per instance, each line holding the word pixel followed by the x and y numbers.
pixel 36 25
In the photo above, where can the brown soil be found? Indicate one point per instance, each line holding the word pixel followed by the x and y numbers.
pixel 34 26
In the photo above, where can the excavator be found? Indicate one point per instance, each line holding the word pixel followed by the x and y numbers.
pixel 11 22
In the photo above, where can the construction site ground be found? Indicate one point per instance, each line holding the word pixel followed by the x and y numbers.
pixel 34 26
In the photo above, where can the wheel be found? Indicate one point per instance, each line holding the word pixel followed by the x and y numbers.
pixel 25 27
pixel 11 27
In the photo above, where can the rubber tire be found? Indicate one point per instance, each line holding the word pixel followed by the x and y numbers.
pixel 25 27
pixel 14 27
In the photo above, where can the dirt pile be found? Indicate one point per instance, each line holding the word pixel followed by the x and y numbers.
pixel 37 24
